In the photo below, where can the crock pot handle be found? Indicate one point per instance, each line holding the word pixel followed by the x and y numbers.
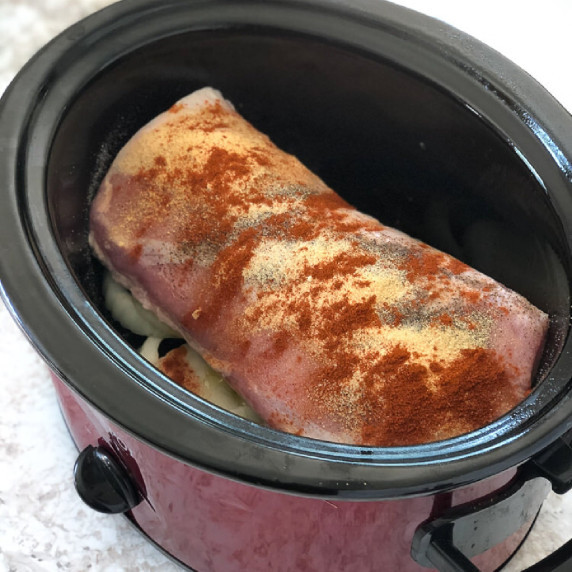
pixel 449 541
pixel 103 483
pixel 446 558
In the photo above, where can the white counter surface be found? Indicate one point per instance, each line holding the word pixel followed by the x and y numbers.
pixel 43 524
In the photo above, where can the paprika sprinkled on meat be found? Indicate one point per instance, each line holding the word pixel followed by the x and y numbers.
pixel 328 323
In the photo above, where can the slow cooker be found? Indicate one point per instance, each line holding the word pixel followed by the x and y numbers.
pixel 411 121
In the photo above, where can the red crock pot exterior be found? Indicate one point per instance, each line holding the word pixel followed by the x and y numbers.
pixel 214 524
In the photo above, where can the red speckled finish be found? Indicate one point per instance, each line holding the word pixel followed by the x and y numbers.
pixel 212 523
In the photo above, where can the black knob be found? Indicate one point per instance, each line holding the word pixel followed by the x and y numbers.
pixel 102 483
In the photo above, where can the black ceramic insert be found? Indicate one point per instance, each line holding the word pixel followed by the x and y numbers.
pixel 429 131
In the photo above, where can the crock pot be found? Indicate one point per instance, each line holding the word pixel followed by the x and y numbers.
pixel 412 122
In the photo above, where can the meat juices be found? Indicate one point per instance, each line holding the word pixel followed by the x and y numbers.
pixel 328 323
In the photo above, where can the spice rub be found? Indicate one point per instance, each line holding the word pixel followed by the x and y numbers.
pixel 329 324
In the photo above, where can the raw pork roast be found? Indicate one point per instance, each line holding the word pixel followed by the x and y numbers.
pixel 328 323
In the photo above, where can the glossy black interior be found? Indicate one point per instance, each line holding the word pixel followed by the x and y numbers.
pixel 394 145
pixel 394 110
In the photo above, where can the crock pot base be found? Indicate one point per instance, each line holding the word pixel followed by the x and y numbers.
pixel 183 566
pixel 168 519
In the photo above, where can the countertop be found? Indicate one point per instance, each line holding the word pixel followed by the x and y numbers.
pixel 43 524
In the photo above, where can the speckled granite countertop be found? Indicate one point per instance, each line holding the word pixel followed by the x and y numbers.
pixel 43 524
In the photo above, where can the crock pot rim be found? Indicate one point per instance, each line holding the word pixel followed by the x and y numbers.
pixel 353 471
